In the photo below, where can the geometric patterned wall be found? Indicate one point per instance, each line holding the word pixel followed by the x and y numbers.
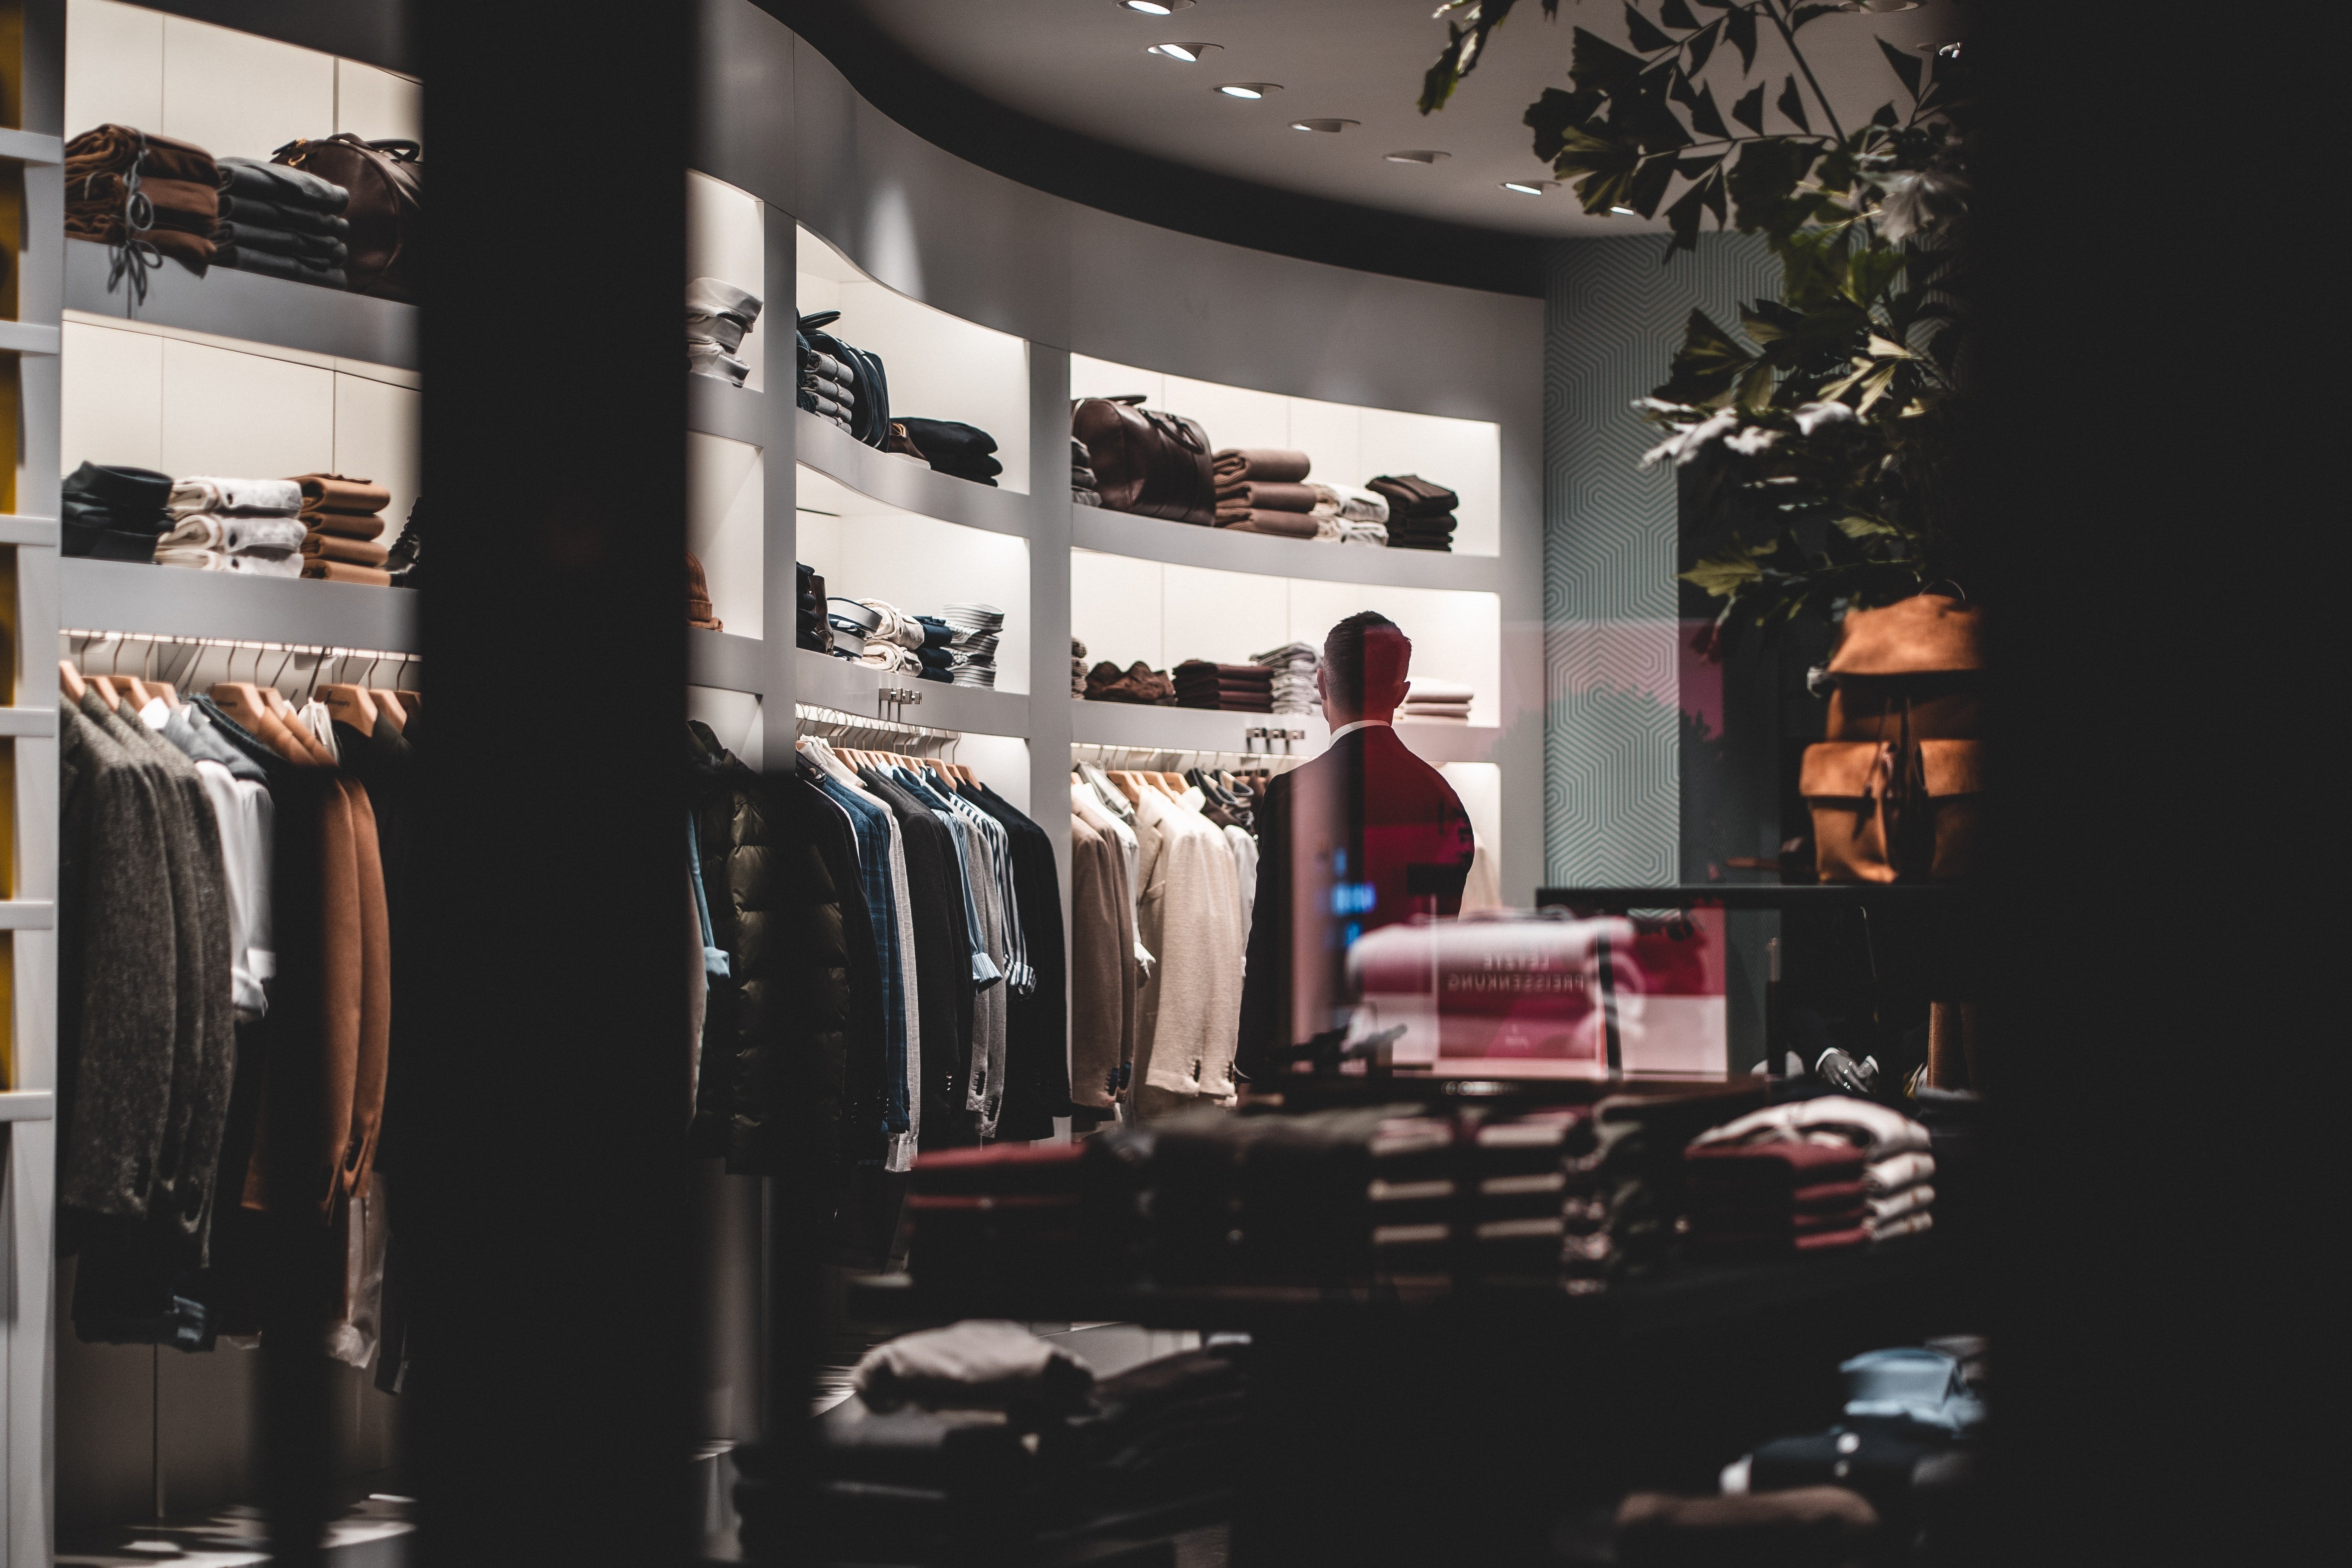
pixel 1613 317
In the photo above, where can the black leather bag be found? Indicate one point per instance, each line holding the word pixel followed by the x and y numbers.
pixel 871 424
pixel 1147 462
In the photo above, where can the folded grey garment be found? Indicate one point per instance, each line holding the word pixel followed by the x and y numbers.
pixel 260 565
pixel 829 408
pixel 1083 479
pixel 1084 498
pixel 888 656
pixel 1350 501
pixel 235 498
pixel 1363 533
pixel 828 368
pixel 720 298
pixel 234 535
pixel 280 182
pixel 1296 655
pixel 710 360
pixel 727 331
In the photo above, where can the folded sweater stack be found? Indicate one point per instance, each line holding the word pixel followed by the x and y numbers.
pixel 954 447
pixel 1441 702
pixel 345 520
pixel 281 223
pixel 1138 683
pixel 1760 1200
pixel 1258 491
pixel 719 316
pixel 176 185
pixel 1084 490
pixel 1228 687
pixel 1897 1161
pixel 973 631
pixel 112 512
pixel 234 525
pixel 1077 668
pixel 1295 666
pixel 1421 514
pixel 1349 514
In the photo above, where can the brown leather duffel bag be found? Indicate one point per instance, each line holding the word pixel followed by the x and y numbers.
pixel 386 180
pixel 1146 462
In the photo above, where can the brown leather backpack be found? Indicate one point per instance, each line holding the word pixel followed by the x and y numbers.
pixel 1146 462
pixel 386 180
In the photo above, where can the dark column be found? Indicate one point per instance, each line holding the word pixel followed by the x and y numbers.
pixel 544 1178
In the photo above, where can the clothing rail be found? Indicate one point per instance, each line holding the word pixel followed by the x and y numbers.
pixel 290 666
pixel 870 733
pixel 1162 760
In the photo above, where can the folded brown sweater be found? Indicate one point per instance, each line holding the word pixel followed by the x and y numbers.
pixel 343 571
pixel 1276 465
pixel 333 492
pixel 1202 668
pixel 111 148
pixel 347 524
pixel 1288 524
pixel 1247 494
pixel 1410 495
pixel 1137 683
pixel 350 551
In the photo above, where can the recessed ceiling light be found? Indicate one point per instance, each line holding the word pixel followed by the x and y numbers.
pixel 1332 125
pixel 1622 212
pixel 1529 187
pixel 1189 53
pixel 1421 155
pixel 1153 8
pixel 1249 88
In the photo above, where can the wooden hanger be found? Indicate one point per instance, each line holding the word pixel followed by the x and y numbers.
pixel 350 704
pixel 241 700
pixel 388 703
pixel 104 686
pixel 287 716
pixel 1128 786
pixel 69 681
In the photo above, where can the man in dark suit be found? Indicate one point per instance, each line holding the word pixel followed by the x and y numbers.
pixel 1365 835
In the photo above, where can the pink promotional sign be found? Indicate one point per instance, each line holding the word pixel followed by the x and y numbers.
pixel 1537 996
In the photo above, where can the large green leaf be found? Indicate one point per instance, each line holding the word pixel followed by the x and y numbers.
pixel 1764 183
pixel 1707 366
pixel 1871 270
pixel 1607 163
pixel 1552 115
pixel 1720 576
pixel 1643 33
pixel 1683 217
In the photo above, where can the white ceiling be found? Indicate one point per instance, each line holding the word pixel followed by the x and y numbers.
pixel 1081 65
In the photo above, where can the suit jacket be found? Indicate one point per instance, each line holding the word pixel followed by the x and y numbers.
pixel 1367 835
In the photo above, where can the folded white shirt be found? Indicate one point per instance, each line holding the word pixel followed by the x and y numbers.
pixel 1350 501
pixel 1423 689
pixel 1895 1206
pixel 225 497
pixel 220 561
pixel 1897 1171
pixel 233 535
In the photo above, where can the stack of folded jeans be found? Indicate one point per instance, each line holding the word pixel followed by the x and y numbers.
pixel 1421 514
pixel 1229 687
pixel 718 316
pixel 281 223
pixel 1895 1196
pixel 1077 668
pixel 939 663
pixel 976 629
pixel 1083 489
pixel 1762 1200
pixel 234 525
pixel 1295 666
pixel 827 388
pixel 113 513
pixel 1444 701
pixel 1348 514
pixel 128 187
pixel 1258 491
pixel 1138 683
pixel 954 447
pixel 700 615
pixel 809 628
pixel 344 521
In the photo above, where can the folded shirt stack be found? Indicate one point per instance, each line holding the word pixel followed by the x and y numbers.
pixel 1295 666
pixel 1012 1210
pixel 809 628
pixel 827 388
pixel 1442 701
pixel 1787 1199
pixel 718 317
pixel 281 223
pixel 1421 514
pixel 1230 688
pixel 954 447
pixel 1619 1196
pixel 113 513
pixel 1898 1162
pixel 178 181
pixel 234 525
pixel 1138 683
pixel 1077 668
pixel 974 631
pixel 1258 491
pixel 344 522
pixel 934 657
pixel 1084 489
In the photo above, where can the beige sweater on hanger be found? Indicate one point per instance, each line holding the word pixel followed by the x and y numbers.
pixel 1189 915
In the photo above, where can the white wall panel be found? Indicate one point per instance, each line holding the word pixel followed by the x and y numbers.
pixel 1102 378
pixel 243 414
pixel 112 398
pixel 725 481
pixel 240 95
pixel 1233 416
pixel 114 66
pixel 1117 608
pixel 376 438
pixel 1001 760
pixel 1221 617
pixel 376 104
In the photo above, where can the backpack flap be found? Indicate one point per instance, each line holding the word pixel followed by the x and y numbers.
pixel 1886 811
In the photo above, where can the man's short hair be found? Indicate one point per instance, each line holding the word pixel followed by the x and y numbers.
pixel 1364 652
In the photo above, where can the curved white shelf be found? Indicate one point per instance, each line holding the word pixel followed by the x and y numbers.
pixel 17 529
pixel 131 597
pixel 248 306
pixel 1222 550
pixel 856 688
pixel 725 661
pixel 737 413
pixel 32 147
pixel 905 484
pixel 1211 730
pixel 27 338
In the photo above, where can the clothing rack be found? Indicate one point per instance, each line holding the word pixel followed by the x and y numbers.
pixel 867 732
pixel 290 666
pixel 1158 760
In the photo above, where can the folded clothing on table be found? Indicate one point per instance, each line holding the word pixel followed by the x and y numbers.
pixel 718 316
pixel 1760 1200
pixel 266 564
pixel 278 540
pixel 954 447
pixel 1139 682
pixel 112 512
pixel 1895 1149
pixel 1295 667
pixel 1271 465
pixel 1345 531
pixel 1158 1433
pixel 282 223
pixel 977 1365
pixel 180 183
